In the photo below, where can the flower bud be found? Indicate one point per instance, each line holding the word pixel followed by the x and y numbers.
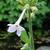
pixel 34 8
pixel 32 15
pixel 26 6
pixel 26 45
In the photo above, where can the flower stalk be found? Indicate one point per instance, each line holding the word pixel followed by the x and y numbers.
pixel 30 31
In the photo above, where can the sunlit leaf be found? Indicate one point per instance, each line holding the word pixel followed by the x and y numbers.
pixel 24 37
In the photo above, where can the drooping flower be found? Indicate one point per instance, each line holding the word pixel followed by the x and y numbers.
pixel 16 27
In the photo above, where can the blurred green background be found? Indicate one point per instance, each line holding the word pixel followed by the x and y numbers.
pixel 9 13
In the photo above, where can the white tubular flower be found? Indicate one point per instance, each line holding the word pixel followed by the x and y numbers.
pixel 16 27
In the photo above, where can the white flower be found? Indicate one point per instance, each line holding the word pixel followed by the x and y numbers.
pixel 16 27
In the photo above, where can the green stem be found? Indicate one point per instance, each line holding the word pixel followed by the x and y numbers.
pixel 30 31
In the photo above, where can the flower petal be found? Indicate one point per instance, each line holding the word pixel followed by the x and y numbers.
pixel 12 29
pixel 9 24
pixel 19 30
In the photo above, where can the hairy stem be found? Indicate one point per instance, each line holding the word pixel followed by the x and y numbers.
pixel 30 32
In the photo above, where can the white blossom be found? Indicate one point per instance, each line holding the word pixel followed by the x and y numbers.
pixel 16 27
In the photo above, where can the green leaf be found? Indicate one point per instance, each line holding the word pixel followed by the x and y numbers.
pixel 28 48
pixel 24 37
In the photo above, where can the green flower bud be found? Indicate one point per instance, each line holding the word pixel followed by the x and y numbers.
pixel 26 6
pixel 25 46
pixel 34 9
